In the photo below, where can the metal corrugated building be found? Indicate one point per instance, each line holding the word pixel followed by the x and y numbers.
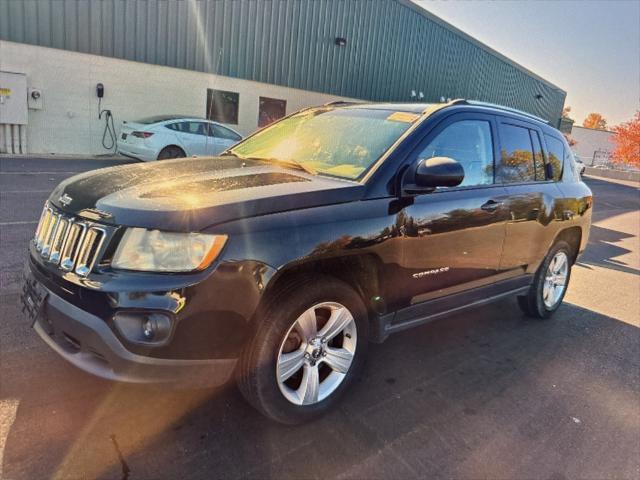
pixel 392 47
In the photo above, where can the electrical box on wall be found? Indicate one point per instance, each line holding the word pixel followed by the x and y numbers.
pixel 35 100
pixel 13 98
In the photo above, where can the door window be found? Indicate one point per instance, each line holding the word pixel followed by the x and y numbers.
pixel 225 133
pixel 555 149
pixel 469 143
pixel 516 155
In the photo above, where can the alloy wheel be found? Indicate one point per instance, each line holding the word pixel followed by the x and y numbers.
pixel 555 281
pixel 316 353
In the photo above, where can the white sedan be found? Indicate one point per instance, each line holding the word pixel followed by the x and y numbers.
pixel 166 136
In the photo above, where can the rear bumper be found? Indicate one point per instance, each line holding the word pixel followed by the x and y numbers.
pixel 136 151
pixel 87 342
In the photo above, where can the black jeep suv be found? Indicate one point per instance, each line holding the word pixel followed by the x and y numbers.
pixel 279 261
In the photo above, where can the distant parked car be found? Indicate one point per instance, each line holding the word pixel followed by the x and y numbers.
pixel 580 166
pixel 171 136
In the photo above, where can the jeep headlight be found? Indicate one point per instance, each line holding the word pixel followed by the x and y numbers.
pixel 156 251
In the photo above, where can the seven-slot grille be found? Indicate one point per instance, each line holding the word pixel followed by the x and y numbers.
pixel 72 243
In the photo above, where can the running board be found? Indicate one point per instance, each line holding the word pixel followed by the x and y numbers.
pixel 435 309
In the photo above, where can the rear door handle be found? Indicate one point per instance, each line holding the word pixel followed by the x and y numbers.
pixel 491 206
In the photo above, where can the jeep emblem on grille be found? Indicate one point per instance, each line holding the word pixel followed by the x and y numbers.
pixel 65 199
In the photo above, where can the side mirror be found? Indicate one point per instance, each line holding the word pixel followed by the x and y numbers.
pixel 431 173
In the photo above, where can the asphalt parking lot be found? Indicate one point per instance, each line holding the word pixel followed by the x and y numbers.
pixel 486 394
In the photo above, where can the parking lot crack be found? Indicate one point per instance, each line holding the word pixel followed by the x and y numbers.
pixel 125 468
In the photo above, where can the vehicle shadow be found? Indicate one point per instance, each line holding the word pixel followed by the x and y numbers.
pixel 602 252
pixel 484 394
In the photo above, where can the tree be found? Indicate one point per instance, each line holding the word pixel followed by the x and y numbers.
pixel 595 120
pixel 627 142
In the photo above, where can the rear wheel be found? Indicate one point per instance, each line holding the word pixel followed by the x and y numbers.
pixel 550 283
pixel 310 345
pixel 171 152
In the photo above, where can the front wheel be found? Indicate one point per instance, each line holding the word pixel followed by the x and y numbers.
pixel 309 346
pixel 550 283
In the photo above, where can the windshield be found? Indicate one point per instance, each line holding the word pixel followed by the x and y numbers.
pixel 343 142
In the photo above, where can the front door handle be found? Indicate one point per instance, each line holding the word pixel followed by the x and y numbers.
pixel 491 206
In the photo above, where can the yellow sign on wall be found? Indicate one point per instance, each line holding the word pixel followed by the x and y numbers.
pixel 5 92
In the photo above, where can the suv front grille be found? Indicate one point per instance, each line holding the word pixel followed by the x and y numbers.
pixel 71 243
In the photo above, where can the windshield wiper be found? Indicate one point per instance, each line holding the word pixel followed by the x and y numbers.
pixel 292 163
pixel 286 163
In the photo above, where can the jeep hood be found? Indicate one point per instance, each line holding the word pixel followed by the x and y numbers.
pixel 192 194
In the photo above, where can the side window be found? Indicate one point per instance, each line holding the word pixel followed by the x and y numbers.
pixel 469 143
pixel 222 132
pixel 197 128
pixel 538 158
pixel 182 127
pixel 571 169
pixel 556 154
pixel 516 155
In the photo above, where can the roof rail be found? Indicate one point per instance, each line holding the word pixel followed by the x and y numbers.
pixel 506 109
pixel 434 107
pixel 339 102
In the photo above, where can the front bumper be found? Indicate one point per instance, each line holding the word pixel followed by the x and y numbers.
pixel 87 342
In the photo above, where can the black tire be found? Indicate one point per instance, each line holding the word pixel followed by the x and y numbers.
pixel 257 368
pixel 171 152
pixel 532 304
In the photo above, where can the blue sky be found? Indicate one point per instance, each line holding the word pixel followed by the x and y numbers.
pixel 589 48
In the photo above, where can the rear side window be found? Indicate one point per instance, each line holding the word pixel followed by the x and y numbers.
pixel 195 128
pixel 555 149
pixel 469 143
pixel 570 171
pixel 516 155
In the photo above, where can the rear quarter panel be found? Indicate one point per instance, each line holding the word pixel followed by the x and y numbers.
pixel 576 208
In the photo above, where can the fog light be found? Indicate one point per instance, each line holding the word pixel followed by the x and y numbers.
pixel 146 328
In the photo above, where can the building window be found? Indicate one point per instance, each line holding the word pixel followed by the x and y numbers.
pixel 270 110
pixel 222 106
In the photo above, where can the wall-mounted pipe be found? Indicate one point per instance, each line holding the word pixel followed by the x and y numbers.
pixel 13 138
pixel 23 139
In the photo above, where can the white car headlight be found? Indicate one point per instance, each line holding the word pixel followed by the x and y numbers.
pixel 156 251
